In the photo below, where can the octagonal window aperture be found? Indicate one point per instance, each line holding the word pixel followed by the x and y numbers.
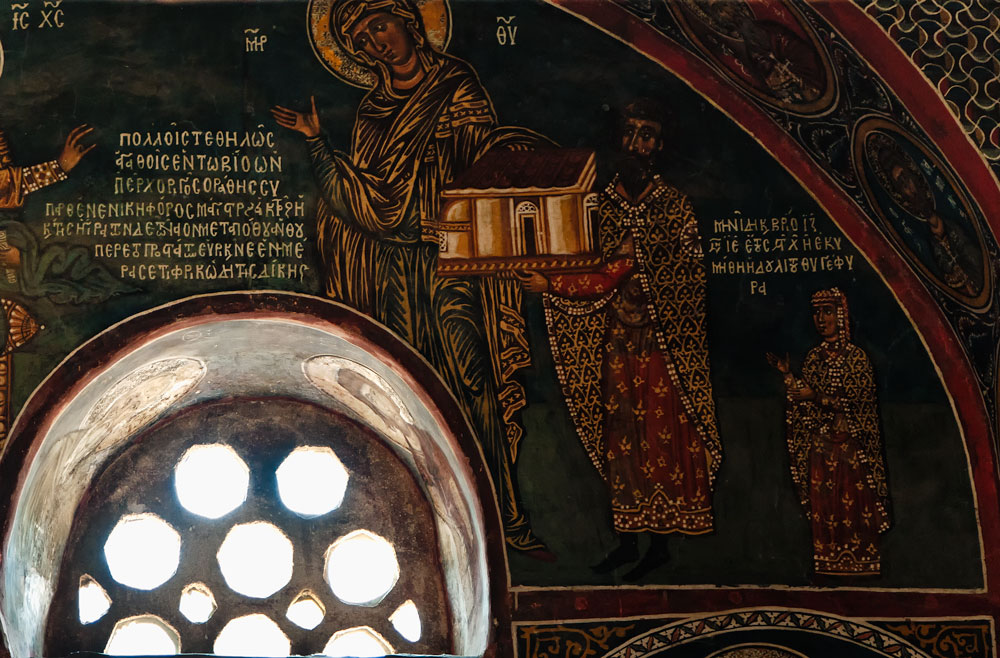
pixel 211 480
pixel 361 568
pixel 256 559
pixel 312 481
pixel 306 611
pixel 93 601
pixel 143 551
pixel 143 635
pixel 197 603
pixel 406 621
pixel 252 635
pixel 358 642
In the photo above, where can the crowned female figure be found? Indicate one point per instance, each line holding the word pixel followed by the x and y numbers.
pixel 835 445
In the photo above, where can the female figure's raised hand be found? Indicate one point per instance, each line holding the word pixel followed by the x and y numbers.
pixel 306 123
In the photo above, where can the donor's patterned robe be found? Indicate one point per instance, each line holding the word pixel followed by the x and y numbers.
pixel 630 346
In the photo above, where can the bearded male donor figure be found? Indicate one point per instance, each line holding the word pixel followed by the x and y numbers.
pixel 630 348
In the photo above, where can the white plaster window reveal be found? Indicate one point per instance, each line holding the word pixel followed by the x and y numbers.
pixel 45 513
pixel 406 621
pixel 143 551
pixel 197 603
pixel 143 635
pixel 357 642
pixel 93 601
pixel 252 635
pixel 256 559
pixel 361 568
pixel 306 611
pixel 312 481
pixel 211 480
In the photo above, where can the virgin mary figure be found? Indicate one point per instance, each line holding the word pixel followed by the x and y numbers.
pixel 426 119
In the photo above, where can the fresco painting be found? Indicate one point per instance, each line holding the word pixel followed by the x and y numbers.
pixel 713 296
pixel 835 444
pixel 769 50
pixel 916 194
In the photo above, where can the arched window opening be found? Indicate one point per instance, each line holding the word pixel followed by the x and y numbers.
pixel 170 421
pixel 347 568
pixel 525 229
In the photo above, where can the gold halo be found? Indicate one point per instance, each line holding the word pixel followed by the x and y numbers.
pixel 436 16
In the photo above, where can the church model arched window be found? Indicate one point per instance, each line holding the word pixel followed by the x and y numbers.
pixel 525 229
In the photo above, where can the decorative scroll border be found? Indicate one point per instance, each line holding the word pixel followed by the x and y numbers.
pixel 640 637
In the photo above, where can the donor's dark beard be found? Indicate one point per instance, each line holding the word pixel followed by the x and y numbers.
pixel 634 174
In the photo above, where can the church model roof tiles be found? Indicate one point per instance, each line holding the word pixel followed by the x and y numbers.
pixel 542 169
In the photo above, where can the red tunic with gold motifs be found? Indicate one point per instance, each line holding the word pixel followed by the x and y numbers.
pixel 656 467
pixel 629 343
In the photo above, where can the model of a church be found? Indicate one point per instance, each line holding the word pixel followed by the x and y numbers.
pixel 520 210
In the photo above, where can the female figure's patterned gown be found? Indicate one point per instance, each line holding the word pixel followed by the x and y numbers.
pixel 835 449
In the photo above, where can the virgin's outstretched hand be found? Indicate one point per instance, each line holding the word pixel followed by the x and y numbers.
pixel 306 123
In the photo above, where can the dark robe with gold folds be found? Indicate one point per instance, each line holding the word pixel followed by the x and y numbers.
pixel 376 201
pixel 835 449
pixel 631 353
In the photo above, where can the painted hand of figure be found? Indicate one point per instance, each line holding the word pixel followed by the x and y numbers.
pixel 626 248
pixel 801 394
pixel 306 123
pixel 533 281
pixel 10 258
pixel 74 149
pixel 781 363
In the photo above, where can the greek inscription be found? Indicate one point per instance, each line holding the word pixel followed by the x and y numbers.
pixel 506 30
pixel 20 16
pixel 762 247
pixel 255 41
pixel 48 15
pixel 204 205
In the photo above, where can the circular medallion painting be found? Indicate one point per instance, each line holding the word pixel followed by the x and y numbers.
pixel 923 210
pixel 767 49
